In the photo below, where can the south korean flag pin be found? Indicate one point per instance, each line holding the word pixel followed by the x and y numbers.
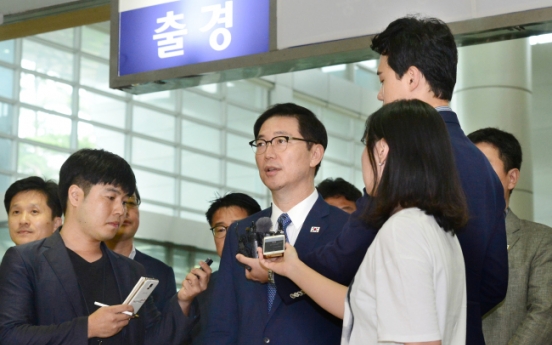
pixel 315 229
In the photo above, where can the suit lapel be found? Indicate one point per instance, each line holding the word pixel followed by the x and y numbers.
pixel 58 258
pixel 513 225
pixel 308 237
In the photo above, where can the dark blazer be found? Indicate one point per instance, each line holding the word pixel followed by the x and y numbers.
pixel 525 316
pixel 239 310
pixel 41 303
pixel 483 239
pixel 166 288
pixel 204 301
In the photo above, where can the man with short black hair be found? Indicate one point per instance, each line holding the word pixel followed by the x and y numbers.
pixel 223 212
pixel 525 316
pixel 339 193
pixel 33 208
pixel 49 288
pixel 289 145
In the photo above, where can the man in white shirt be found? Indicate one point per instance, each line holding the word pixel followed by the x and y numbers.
pixel 289 146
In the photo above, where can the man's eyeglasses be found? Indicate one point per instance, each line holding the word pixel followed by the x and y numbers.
pixel 219 231
pixel 278 143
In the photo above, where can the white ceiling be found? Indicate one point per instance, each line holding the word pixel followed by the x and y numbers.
pixel 8 7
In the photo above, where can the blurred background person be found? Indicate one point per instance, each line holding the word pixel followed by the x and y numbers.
pixel 34 209
pixel 339 193
pixel 221 214
pixel 525 316
pixel 123 243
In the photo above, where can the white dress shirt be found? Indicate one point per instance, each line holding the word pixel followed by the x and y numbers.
pixel 297 214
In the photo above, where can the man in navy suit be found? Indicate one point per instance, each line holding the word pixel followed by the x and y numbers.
pixel 418 61
pixel 48 288
pixel 123 243
pixel 289 146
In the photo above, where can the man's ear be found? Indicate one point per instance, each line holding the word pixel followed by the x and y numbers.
pixel 75 195
pixel 513 178
pixel 414 77
pixel 56 223
pixel 317 153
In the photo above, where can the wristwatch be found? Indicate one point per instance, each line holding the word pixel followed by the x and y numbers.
pixel 271 276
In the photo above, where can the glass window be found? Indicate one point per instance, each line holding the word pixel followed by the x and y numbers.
pixel 201 107
pixel 237 147
pixel 6 86
pixel 244 178
pixel 366 79
pixel 197 196
pixel 96 74
pixel 35 160
pixel 201 137
pixel 5 182
pixel 6 118
pixel 334 170
pixel 200 167
pixel 155 187
pixel 46 93
pixel 197 216
pixel 7 51
pixel 339 149
pixel 153 123
pixel 64 37
pixel 102 109
pixel 360 126
pixel 182 264
pixel 5 155
pixel 146 206
pixel 44 59
pixel 359 180
pixel 162 99
pixel 153 155
pixel 241 119
pixel 95 41
pixel 96 137
pixel 155 250
pixel 336 123
pixel 248 93
pixel 44 127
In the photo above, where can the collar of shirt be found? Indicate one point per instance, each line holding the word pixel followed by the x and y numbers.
pixel 132 252
pixel 443 108
pixel 297 214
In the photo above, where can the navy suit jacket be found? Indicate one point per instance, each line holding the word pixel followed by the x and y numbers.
pixel 157 269
pixel 239 309
pixel 483 239
pixel 41 302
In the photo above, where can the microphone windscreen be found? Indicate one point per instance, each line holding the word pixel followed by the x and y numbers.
pixel 263 225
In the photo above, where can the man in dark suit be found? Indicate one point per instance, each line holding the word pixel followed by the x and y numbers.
pixel 289 145
pixel 223 211
pixel 525 316
pixel 123 243
pixel 418 61
pixel 48 288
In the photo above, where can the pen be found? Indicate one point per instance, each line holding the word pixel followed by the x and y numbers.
pixel 124 312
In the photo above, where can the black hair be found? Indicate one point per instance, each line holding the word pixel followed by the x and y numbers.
pixel 420 170
pixel 34 183
pixel 509 149
pixel 137 197
pixel 310 126
pixel 330 188
pixel 425 43
pixel 240 200
pixel 88 167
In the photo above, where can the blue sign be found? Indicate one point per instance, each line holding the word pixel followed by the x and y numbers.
pixel 185 32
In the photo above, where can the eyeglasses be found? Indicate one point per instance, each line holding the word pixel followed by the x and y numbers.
pixel 279 143
pixel 219 231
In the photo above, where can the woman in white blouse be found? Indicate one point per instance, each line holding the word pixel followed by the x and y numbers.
pixel 410 288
